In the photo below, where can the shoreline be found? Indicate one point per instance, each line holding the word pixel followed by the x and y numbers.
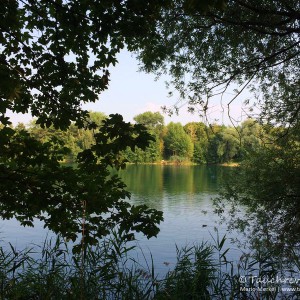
pixel 186 163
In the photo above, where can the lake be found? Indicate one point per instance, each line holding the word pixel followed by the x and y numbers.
pixel 183 193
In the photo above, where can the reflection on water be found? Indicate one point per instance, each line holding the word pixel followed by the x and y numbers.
pixel 154 179
pixel 156 185
pixel 183 193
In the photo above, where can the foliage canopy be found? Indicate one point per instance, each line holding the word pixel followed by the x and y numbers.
pixel 252 44
pixel 55 55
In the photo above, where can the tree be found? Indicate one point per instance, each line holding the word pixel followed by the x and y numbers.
pixel 224 146
pixel 154 122
pixel 247 44
pixel 150 119
pixel 55 56
pixel 177 142
pixel 69 138
pixel 251 136
pixel 199 135
pixel 269 190
pixel 74 138
pixel 203 45
pixel 35 185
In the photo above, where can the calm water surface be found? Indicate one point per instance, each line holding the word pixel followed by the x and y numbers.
pixel 183 193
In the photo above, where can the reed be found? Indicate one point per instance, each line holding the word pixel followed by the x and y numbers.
pixel 109 271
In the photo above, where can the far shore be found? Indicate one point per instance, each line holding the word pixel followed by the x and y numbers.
pixel 185 163
pixel 170 163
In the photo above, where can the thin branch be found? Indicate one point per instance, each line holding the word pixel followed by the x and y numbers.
pixel 294 14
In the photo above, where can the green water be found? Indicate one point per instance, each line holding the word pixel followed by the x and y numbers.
pixel 183 193
pixel 156 180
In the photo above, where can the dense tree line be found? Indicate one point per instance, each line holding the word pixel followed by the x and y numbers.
pixel 197 142
pixel 200 143
pixel 176 143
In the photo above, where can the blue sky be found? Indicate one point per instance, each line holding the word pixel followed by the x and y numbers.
pixel 132 92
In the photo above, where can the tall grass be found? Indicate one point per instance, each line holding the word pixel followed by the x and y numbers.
pixel 108 271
